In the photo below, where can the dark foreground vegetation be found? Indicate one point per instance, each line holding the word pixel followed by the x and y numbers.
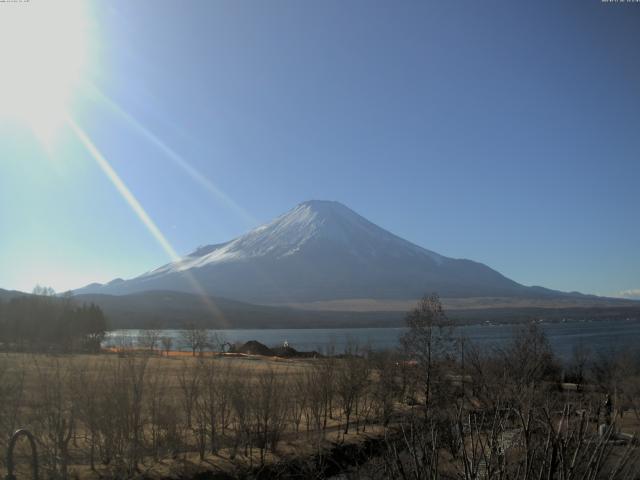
pixel 45 322
pixel 438 408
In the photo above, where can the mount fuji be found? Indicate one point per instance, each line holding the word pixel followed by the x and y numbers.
pixel 322 251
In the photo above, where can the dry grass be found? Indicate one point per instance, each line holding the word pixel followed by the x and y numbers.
pixel 234 452
pixel 171 368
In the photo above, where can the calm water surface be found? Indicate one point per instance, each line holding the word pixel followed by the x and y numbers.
pixel 600 336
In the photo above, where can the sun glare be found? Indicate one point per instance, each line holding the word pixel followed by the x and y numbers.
pixel 43 49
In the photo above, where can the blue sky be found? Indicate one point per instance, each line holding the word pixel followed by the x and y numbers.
pixel 505 132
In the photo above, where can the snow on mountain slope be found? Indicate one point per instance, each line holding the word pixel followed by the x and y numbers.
pixel 289 233
pixel 321 250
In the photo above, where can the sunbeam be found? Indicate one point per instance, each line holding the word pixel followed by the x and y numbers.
pixel 117 182
pixel 139 210
pixel 176 158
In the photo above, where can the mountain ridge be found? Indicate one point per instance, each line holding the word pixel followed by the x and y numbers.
pixel 322 250
pixel 170 309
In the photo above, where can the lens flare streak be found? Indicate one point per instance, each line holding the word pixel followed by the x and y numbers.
pixel 117 182
pixel 139 210
pixel 176 158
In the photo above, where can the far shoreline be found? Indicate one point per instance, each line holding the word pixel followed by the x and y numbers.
pixel 385 327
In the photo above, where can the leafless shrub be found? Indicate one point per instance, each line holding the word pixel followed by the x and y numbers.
pixel 351 380
pixel 55 413
pixel 160 413
pixel 195 338
pixel 149 340
pixel 268 409
pixel 167 343
pixel 121 408
pixel 386 390
pixel 298 400
pixel 12 396
pixel 189 380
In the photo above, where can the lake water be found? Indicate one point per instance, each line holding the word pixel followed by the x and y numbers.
pixel 599 336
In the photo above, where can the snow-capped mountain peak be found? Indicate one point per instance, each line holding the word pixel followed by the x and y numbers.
pixel 310 221
pixel 319 250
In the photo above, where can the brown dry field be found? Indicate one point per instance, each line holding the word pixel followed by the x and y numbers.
pixel 187 464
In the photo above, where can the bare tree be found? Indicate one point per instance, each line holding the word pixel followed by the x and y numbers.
pixel 326 377
pixel 189 380
pixel 149 340
pixel 578 364
pixel 316 393
pixel 159 411
pixel 428 342
pixel 122 419
pixel 529 358
pixel 211 401
pixel 298 399
pixel 12 396
pixel 134 378
pixel 352 378
pixel 614 372
pixel 89 413
pixel 167 343
pixel 194 338
pixel 386 389
pixel 242 421
pixel 56 414
pixel 216 341
pixel 268 408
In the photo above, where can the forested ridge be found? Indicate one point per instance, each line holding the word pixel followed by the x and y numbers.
pixel 46 322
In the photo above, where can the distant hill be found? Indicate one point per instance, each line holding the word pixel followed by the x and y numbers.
pixel 324 251
pixel 162 309
pixel 9 294
pixel 167 309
